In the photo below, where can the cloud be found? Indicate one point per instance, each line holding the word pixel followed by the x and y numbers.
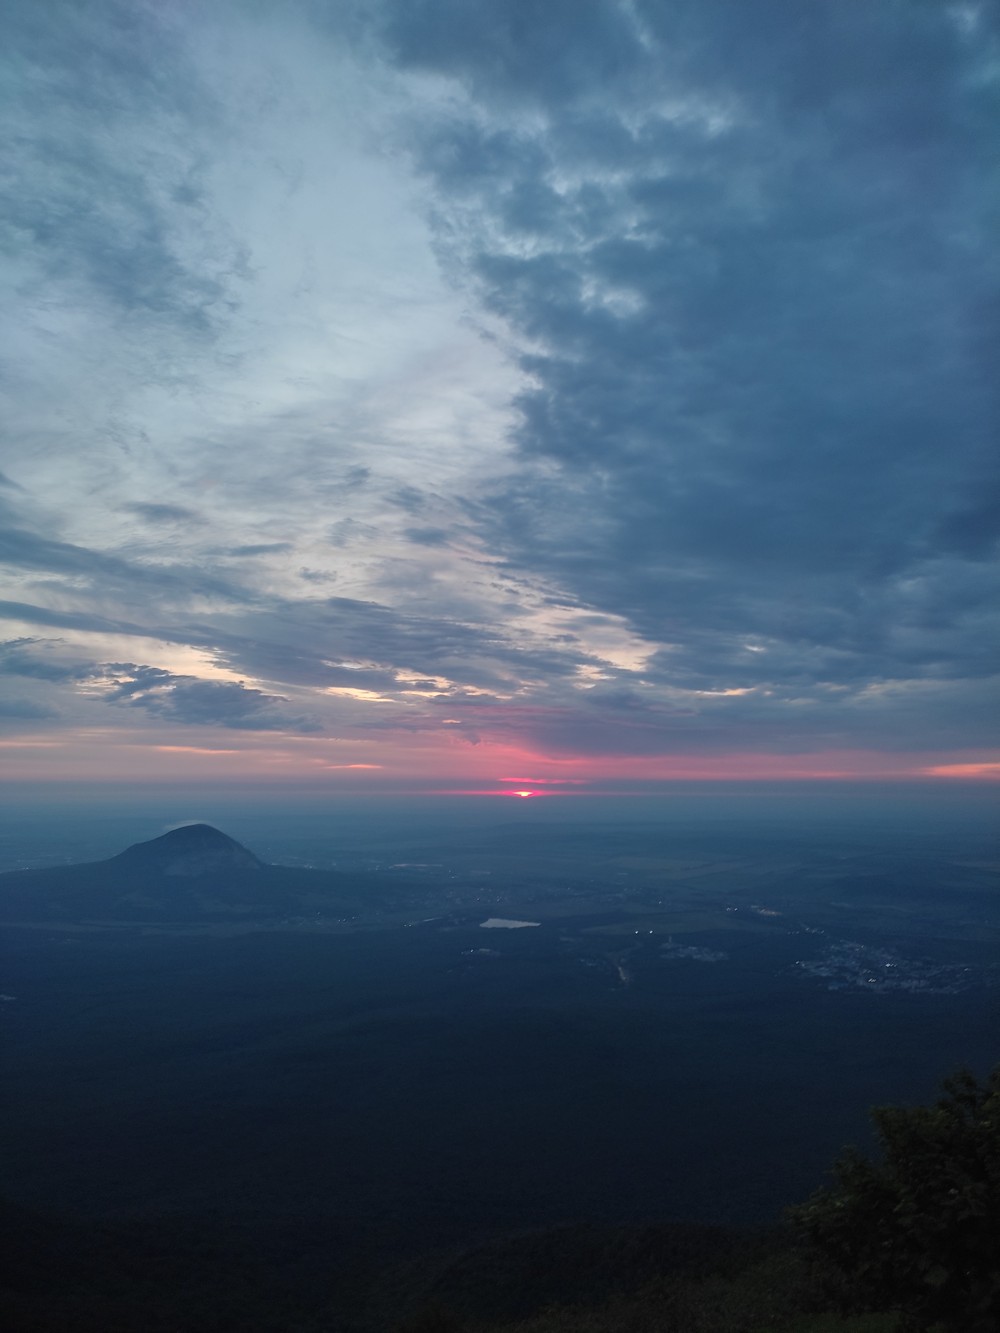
pixel 162 513
pixel 178 698
pixel 260 548
pixel 21 657
pixel 750 310
pixel 25 710
pixel 515 49
pixel 132 579
pixel 173 696
pixel 101 212
pixel 83 621
pixel 427 536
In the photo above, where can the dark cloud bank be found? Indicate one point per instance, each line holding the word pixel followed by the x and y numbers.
pixel 747 254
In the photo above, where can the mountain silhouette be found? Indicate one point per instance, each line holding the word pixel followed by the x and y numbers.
pixel 192 875
pixel 191 850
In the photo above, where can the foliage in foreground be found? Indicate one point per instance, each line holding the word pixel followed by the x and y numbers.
pixel 917 1231
pixel 908 1241
pixel 770 1291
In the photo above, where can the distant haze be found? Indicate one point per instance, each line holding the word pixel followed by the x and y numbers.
pixel 70 825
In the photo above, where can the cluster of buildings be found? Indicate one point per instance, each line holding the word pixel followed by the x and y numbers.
pixel 847 965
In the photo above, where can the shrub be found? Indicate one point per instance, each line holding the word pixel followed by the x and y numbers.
pixel 917 1231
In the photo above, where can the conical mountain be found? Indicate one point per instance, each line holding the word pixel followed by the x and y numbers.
pixel 192 875
pixel 191 851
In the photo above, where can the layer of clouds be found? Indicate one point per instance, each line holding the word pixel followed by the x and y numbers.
pixel 747 261
pixel 201 702
pixel 628 371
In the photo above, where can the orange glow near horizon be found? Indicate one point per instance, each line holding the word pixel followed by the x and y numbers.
pixel 493 791
pixel 988 772
pixel 438 763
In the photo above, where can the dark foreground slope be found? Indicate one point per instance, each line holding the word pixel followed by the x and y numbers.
pixel 193 874
pixel 173 1276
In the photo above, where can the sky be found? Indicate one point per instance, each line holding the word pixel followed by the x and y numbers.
pixel 496 395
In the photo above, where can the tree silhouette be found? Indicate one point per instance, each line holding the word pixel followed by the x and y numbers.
pixel 918 1230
